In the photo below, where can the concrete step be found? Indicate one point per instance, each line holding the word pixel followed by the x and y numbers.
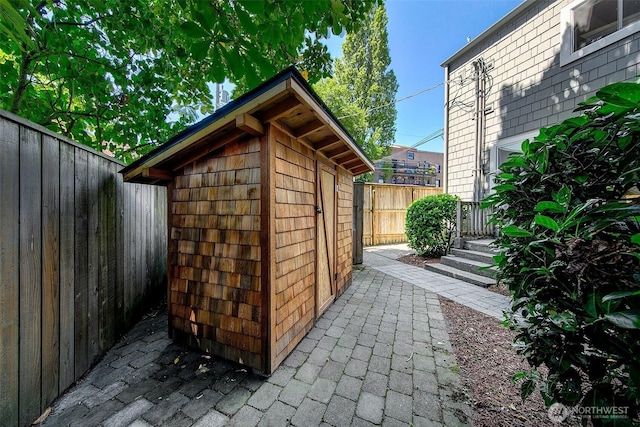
pixel 460 274
pixel 481 245
pixel 467 265
pixel 480 256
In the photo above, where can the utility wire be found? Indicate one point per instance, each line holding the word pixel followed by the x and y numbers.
pixel 397 100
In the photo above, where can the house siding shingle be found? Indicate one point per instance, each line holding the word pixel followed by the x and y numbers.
pixel 530 89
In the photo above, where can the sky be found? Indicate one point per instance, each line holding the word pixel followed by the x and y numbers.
pixel 422 34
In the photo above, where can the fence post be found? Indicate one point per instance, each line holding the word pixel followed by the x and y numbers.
pixel 358 217
pixel 373 217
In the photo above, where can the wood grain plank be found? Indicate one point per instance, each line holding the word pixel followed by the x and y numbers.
pixel 267 239
pixel 93 256
pixel 103 266
pixel 149 201
pixel 81 262
pixel 67 263
pixel 9 270
pixel 138 223
pixel 159 227
pixel 30 275
pixel 120 324
pixel 110 252
pixel 50 269
pixel 129 251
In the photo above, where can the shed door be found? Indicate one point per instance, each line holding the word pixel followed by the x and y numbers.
pixel 326 291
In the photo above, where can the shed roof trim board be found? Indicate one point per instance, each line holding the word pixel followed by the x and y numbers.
pixel 286 99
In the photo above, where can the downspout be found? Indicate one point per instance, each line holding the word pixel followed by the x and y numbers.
pixel 476 152
pixel 481 121
pixel 481 86
pixel 445 133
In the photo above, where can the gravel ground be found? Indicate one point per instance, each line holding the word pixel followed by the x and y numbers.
pixel 487 362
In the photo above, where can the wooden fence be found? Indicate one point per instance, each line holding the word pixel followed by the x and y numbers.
pixel 385 208
pixel 80 253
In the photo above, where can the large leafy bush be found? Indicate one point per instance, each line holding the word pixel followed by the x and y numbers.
pixel 571 253
pixel 430 224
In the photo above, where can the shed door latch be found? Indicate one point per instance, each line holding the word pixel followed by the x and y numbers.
pixel 318 210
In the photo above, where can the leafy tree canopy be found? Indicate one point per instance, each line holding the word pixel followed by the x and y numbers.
pixel 363 89
pixel 124 76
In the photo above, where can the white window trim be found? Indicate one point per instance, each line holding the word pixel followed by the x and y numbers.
pixel 512 143
pixel 566 54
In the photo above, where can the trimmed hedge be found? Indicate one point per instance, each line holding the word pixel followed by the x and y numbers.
pixel 431 223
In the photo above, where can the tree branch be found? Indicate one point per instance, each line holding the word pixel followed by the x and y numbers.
pixel 23 82
pixel 79 24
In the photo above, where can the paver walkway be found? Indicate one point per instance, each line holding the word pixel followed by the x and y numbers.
pixel 383 258
pixel 380 355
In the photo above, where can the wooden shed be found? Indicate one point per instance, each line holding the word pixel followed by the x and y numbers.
pixel 260 199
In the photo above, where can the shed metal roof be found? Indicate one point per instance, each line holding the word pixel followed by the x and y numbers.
pixel 286 99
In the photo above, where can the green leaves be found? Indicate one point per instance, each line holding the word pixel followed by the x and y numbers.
pixel 546 206
pixel 364 86
pixel 629 319
pixel 562 196
pixel 566 321
pixel 527 388
pixel 193 30
pixel 129 75
pixel 623 94
pixel 13 25
pixel 546 222
pixel 571 250
pixel 514 231
pixel 430 224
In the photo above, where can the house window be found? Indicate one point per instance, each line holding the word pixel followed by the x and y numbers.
pixel 590 25
pixel 410 156
pixel 437 168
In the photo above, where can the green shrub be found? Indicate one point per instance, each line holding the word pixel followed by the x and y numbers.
pixel 571 254
pixel 431 223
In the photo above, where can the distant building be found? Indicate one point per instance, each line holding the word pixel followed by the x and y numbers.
pixel 407 165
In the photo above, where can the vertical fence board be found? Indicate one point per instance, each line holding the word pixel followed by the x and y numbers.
pixel 103 269
pixel 79 253
pixel 139 243
pixel 156 231
pixel 9 271
pixel 50 269
pixel 93 255
pixel 111 253
pixel 81 271
pixel 119 250
pixel 30 275
pixel 358 222
pixel 129 257
pixel 162 232
pixel 385 208
pixel 67 263
pixel 147 243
